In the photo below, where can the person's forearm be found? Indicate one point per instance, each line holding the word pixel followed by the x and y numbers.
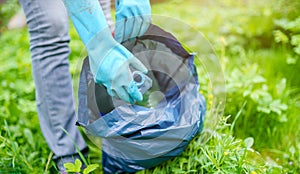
pixel 87 17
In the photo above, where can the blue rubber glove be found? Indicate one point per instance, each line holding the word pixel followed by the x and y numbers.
pixel 109 61
pixel 133 18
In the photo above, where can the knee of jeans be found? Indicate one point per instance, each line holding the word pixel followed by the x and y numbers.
pixel 48 26
pixel 58 27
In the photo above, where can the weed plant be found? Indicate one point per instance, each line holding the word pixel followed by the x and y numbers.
pixel 257 44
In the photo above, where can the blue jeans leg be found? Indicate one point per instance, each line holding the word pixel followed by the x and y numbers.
pixel 48 27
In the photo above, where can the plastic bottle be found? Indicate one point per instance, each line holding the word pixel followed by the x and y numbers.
pixel 142 81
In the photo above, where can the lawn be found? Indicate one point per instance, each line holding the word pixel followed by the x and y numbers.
pixel 248 61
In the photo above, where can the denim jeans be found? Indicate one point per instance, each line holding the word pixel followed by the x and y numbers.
pixel 48 27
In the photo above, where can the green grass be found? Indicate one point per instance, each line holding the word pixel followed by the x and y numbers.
pixel 258 132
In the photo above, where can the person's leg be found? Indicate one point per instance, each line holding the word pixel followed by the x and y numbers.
pixel 48 27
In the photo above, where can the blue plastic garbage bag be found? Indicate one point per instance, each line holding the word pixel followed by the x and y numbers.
pixel 143 135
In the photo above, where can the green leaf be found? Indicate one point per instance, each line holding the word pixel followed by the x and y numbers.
pixel 280 37
pixel 277 107
pixel 249 142
pixel 280 87
pixel 90 168
pixel 73 167
pixel 283 118
pixel 294 25
pixel 296 40
pixel 261 96
pixel 283 23
pixel 176 170
pixel 26 106
pixel 263 109
pixel 29 137
pixel 70 167
pixel 291 60
pixel 292 150
pixel 246 93
pixel 258 79
pixel 297 50
pixel 78 165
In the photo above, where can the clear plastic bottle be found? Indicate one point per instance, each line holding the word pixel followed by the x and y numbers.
pixel 142 81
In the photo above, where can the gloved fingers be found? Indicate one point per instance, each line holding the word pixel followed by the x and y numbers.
pixel 120 30
pixel 138 65
pixel 137 25
pixel 129 29
pixel 134 93
pixel 111 92
pixel 146 21
pixel 132 27
pixel 123 94
pixel 125 87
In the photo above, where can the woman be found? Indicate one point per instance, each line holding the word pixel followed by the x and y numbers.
pixel 48 27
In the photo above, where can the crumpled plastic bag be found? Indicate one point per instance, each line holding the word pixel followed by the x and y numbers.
pixel 143 135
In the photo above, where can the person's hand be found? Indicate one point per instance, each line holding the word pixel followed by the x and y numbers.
pixel 110 64
pixel 109 61
pixel 133 18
